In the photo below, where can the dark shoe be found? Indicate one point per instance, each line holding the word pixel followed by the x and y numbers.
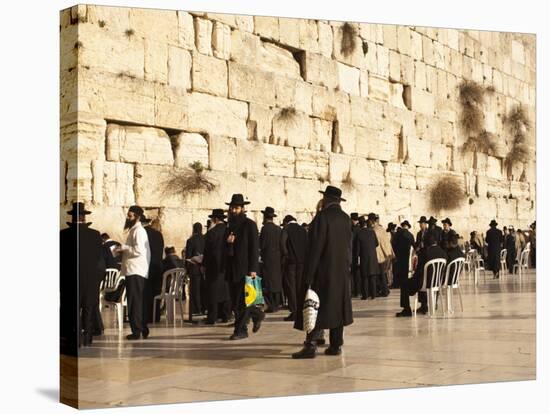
pixel 237 336
pixel 97 332
pixel 203 322
pixel 269 310
pixel 307 352
pixel 320 341
pixel 333 350
pixel 289 318
pixel 423 310
pixel 145 333
pixel 258 323
pixel 404 312
pixel 133 337
pixel 363 297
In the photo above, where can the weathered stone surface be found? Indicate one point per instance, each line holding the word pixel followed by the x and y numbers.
pixel 189 148
pixel 309 35
pixel 222 153
pixel 506 209
pixel 138 144
pixel 226 184
pixel 422 101
pixel 170 108
pixel 79 181
pixel 339 166
pixel 221 40
pixel 267 27
pixel 292 129
pixel 118 184
pixel 398 204
pixel 260 121
pixel 312 164
pixel 396 95
pixel 289 32
pixel 176 225
pixel 273 58
pixel 321 135
pixel 379 88
pixel 343 138
pixel 186 30
pixel 367 113
pixel 156 56
pixel 494 167
pixel 293 93
pixel 408 177
pixel 519 190
pixel 279 160
pixel 82 137
pixel 179 67
pixel 404 40
pixel 366 172
pixel 203 36
pixel 392 174
pixel 325 39
pixel 260 198
pixel 250 157
pixel 251 85
pixel 418 152
pixel 348 79
pixel 245 23
pixel 302 195
pixel 209 75
pixel 142 20
pixel 217 116
pixel 497 188
pixel 376 145
pixel 245 47
pixel 320 70
pixel 355 56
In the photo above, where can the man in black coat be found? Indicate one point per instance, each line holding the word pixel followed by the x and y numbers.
pixel 328 273
pixel 435 229
pixel 355 271
pixel 81 270
pixel 366 244
pixel 171 260
pixel 494 239
pixel 404 241
pixel 241 259
pixel 112 261
pixel 194 248
pixel 213 264
pixel 153 283
pixel 419 242
pixel 447 233
pixel 293 251
pixel 510 246
pixel 270 253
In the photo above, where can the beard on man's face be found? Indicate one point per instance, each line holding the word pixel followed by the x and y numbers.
pixel 129 223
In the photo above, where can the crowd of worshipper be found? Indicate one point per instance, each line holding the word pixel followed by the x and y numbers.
pixel 339 256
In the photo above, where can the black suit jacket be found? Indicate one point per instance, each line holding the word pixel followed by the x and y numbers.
pixel 242 255
pixel 294 243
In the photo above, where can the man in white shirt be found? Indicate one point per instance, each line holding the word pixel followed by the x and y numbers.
pixel 136 256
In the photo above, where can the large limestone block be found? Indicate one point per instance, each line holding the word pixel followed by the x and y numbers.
pixel 217 116
pixel 82 137
pixel 179 67
pixel 422 101
pixel 245 23
pixel 348 79
pixel 267 27
pixel 170 107
pixel 186 30
pixel 497 188
pixel 339 166
pixel 506 209
pixel 390 36
pixel 494 167
pixel 114 19
pixel 424 178
pixel 325 39
pixel 293 93
pixel 364 83
pixel 222 153
pixel 302 195
pixel 273 58
pixel 416 45
pixel 309 35
pixel 203 36
pixel 343 138
pixel 320 70
pixel 312 164
pixel 260 122
pixel 221 40
pixel 289 32
pixel 370 198
pixel 156 58
pixel 209 75
pixel 484 209
pixel 377 145
pixel 396 95
pixel 398 203
pixel 251 85
pixel 279 160
pixel 227 184
pixel 519 190
pixel 189 148
pixel 145 23
pixel 138 144
pixel 355 57
pixel 418 152
pixel 394 66
pixel 518 52
pixel 321 135
pixel 79 181
pixel 481 186
pixel 260 198
pixel 379 88
pixel 408 177
pixel 392 174
pixel 366 172
pixel 382 61
pixel 367 113
pixel 227 19
pixel 250 157
pixel 245 47
pixel 292 128
pixel 404 40
pixel 406 67
pixel 526 211
pixel 176 225
pixel 118 184
pixel 440 159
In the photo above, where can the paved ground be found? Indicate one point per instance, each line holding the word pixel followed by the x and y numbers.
pixel 492 340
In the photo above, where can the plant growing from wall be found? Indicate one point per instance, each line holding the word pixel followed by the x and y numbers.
pixel 349 39
pixel 447 193
pixel 287 114
pixel 471 96
pixel 181 182
pixel 518 124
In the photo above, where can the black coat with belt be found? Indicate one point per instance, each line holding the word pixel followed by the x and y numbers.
pixel 194 247
pixel 241 256
pixel 294 244
pixel 328 268
pixel 365 245
pixel 270 252
pixel 404 240
pixel 213 262
pixel 494 239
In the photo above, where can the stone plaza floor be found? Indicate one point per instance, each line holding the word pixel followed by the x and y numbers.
pixel 492 340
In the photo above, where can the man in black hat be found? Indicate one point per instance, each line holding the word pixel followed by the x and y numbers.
pixel 270 253
pixel 366 244
pixel 213 263
pixel 241 255
pixel 153 283
pixel 435 229
pixel 327 272
pixel 194 248
pixel 355 272
pixel 81 270
pixel 404 242
pixel 419 242
pixel 136 259
pixel 293 250
pixel 494 239
pixel 171 259
pixel 447 233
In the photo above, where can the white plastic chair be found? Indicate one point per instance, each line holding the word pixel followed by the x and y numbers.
pixel 469 264
pixel 503 265
pixel 453 272
pixel 171 291
pixel 110 278
pixel 119 306
pixel 411 263
pixel 523 262
pixel 437 266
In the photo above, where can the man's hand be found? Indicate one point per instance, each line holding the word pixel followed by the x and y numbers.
pixel 252 275
pixel 231 238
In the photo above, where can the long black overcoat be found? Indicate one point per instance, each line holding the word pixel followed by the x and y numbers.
pixel 404 240
pixel 270 252
pixel 328 268
pixel 242 255
pixel 365 245
pixel 213 261
pixel 494 239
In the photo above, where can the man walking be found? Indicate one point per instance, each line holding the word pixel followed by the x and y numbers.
pixel 241 256
pixel 153 283
pixel 270 253
pixel 136 258
pixel 385 254
pixel 194 248
pixel 365 245
pixel 494 239
pixel 403 244
pixel 328 273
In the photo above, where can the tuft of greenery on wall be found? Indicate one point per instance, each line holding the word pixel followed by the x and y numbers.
pixel 447 193
pixel 349 39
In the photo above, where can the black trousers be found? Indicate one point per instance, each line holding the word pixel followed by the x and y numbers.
pixel 292 280
pixel 409 288
pixel 357 281
pixel 87 320
pixel 221 309
pixel 382 282
pixel 242 312
pixel 336 336
pixel 273 300
pixel 135 294
pixel 195 281
pixel 371 286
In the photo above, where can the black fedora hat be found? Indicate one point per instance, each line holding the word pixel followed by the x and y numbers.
pixel 237 200
pixel 218 213
pixel 136 210
pixel 333 192
pixel 406 223
pixel 372 216
pixel 354 216
pixel 169 250
pixel 493 223
pixel 78 210
pixel 288 218
pixel 448 221
pixel 432 220
pixel 391 226
pixel 269 212
pixel 423 219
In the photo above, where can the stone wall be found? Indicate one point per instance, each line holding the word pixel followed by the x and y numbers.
pixel 277 111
